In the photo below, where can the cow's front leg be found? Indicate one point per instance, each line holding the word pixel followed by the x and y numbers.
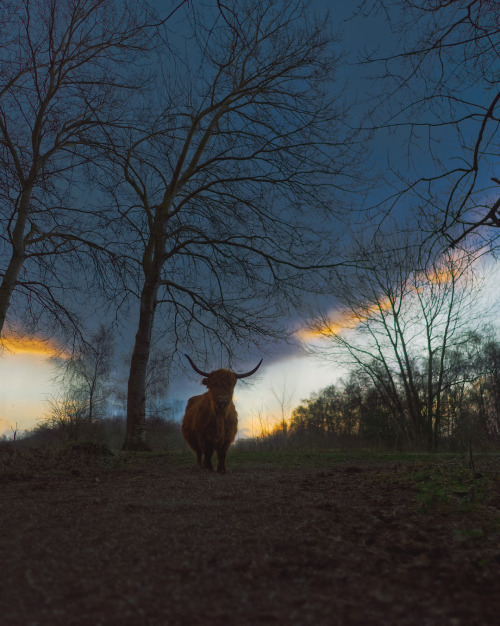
pixel 207 453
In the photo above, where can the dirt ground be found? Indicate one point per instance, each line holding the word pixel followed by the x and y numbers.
pixel 162 542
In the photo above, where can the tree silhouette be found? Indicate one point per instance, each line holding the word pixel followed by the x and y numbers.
pixel 224 189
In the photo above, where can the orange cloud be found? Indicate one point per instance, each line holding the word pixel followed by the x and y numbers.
pixel 451 265
pixel 336 323
pixel 341 320
pixel 34 345
pixel 441 277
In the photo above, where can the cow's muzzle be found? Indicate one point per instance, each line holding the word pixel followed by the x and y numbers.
pixel 223 401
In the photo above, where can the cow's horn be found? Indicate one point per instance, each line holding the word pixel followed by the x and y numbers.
pixel 196 369
pixel 250 372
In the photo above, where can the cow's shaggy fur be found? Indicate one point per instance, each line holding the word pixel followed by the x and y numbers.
pixel 211 422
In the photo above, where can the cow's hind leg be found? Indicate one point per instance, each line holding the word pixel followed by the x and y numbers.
pixel 221 464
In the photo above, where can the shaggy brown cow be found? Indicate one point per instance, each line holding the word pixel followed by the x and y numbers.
pixel 211 422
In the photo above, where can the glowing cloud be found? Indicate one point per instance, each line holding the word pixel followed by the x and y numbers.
pixel 451 267
pixel 26 380
pixel 21 345
pixel 335 323
pixel 341 320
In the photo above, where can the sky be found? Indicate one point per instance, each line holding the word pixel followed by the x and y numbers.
pixel 26 369
pixel 26 373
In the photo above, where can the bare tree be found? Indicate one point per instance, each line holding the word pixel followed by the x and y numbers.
pixel 228 189
pixel 397 321
pixel 439 93
pixel 284 398
pixel 86 374
pixel 85 382
pixel 66 71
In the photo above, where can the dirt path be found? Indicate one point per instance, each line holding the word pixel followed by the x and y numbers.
pixel 163 544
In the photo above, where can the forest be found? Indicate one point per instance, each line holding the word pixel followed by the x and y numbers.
pixel 373 412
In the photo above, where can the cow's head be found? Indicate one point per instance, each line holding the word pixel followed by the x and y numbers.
pixel 221 383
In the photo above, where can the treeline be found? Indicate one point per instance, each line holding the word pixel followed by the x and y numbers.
pixel 161 433
pixel 365 411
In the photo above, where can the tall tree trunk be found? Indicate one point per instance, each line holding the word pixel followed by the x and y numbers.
pixel 9 279
pixel 152 264
pixel 136 391
pixel 9 282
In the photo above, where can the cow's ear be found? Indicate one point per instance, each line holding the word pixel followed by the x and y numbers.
pixel 204 381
